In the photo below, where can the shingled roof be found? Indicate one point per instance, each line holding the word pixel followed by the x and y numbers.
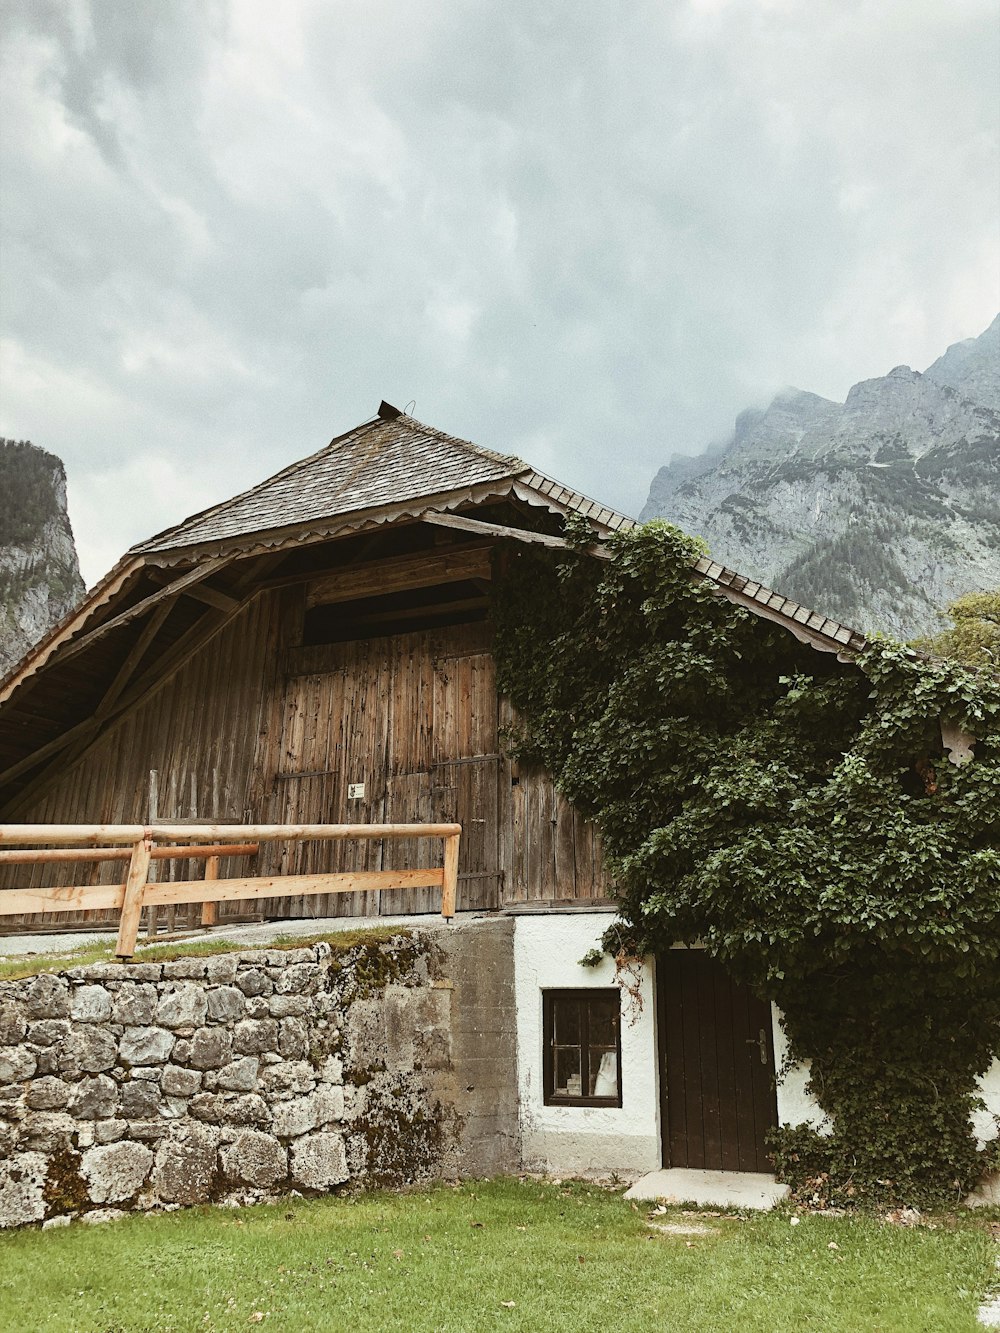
pixel 388 460
pixel 390 468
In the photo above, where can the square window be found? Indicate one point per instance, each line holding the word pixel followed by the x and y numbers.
pixel 582 1058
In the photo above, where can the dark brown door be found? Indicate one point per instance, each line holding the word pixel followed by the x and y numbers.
pixel 716 1065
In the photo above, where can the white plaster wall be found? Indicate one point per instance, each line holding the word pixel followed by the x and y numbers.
pixel 989 1089
pixel 796 1106
pixel 582 1140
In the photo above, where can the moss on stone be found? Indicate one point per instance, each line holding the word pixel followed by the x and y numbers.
pixel 64 1190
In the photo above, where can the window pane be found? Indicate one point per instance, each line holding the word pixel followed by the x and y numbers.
pixel 582 1041
pixel 604 1021
pixel 603 1072
pixel 568 1082
pixel 567 1021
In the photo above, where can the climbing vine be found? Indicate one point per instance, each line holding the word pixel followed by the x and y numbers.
pixel 799 817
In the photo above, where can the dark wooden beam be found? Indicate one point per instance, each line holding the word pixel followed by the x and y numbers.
pixel 403 573
pixel 140 608
pixel 127 669
pixel 464 524
pixel 201 592
pixel 418 612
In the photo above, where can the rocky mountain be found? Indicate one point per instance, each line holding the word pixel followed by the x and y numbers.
pixel 39 571
pixel 878 511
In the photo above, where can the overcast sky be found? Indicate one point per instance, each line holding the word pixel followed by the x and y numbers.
pixel 587 232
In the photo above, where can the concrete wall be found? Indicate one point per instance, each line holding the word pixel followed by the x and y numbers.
pixel 582 1140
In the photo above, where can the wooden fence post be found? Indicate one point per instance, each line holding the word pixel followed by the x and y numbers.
pixel 210 911
pixel 135 887
pixel 449 889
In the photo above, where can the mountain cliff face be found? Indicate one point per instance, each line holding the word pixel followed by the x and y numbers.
pixel 39 572
pixel 877 511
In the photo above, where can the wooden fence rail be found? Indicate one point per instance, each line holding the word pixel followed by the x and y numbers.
pixel 138 844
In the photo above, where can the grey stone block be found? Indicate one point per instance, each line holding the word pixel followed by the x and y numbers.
pixel 185 969
pixel 178 1082
pixel 94 1098
pixel 16 1063
pixel 116 1171
pixel 22 1178
pixel 254 981
pixel 88 1050
pixel 134 1004
pixel 244 1109
pixel 319 1161
pixel 47 1031
pixel 183 1007
pixel 253 1158
pixel 143 971
pixel 110 1131
pixel 293 1039
pixel 226 1004
pixel 48 1094
pixel 298 979
pixel 13 1024
pixel 140 1100
pixel 148 1131
pixel 222 969
pixel 144 1073
pixel 288 1006
pixel 48 997
pixel 206 1106
pixel 186 1165
pixel 89 1004
pixel 285 1077
pixel 146 1046
pixel 240 1076
pixel 46 1131
pixel 293 1117
pixel 209 1048
pixel 252 1036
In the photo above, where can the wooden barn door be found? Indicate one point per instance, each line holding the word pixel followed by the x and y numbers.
pixel 716 1066
pixel 413 718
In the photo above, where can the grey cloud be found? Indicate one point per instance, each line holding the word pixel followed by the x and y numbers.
pixel 588 235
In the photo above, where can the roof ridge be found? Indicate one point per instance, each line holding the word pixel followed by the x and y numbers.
pixel 479 450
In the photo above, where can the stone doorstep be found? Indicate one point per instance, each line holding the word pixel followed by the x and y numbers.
pixel 719 1189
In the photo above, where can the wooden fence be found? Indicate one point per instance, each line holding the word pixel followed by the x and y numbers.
pixel 138 844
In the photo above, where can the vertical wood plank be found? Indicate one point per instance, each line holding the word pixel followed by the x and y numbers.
pixel 449 891
pixel 210 911
pixel 135 885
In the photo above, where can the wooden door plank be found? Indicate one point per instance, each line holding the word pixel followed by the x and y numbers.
pixel 764 1094
pixel 742 1057
pixel 730 1150
pixel 679 1138
pixel 712 1111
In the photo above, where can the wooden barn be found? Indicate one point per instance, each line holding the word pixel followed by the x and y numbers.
pixel 317 650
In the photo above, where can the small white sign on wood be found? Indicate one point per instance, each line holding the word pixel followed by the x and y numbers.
pixel 355 791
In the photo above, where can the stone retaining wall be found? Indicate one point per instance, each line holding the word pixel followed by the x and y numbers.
pixel 233 1078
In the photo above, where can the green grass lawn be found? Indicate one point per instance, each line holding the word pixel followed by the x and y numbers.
pixel 192 946
pixel 529 1257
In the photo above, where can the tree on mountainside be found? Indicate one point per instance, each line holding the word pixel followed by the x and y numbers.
pixel 974 637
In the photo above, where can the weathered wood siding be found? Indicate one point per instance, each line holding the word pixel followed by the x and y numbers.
pixel 198 732
pixel 416 719
pixel 258 728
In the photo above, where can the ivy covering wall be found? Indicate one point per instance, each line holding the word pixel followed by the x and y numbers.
pixel 799 817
